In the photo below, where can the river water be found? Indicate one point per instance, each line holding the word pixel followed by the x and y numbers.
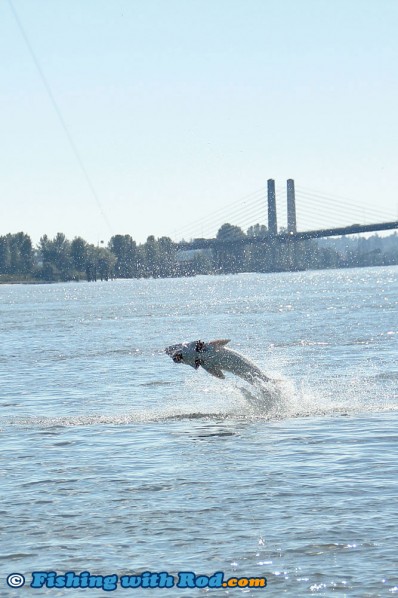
pixel 115 460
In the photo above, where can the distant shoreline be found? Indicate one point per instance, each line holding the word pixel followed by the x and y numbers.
pixel 27 282
pixel 58 259
pixel 42 282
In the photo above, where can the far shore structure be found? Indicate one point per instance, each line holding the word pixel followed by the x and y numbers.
pixel 260 249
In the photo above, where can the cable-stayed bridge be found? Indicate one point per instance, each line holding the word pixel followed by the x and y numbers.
pixel 307 214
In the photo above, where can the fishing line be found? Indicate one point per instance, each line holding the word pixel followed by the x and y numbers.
pixel 58 112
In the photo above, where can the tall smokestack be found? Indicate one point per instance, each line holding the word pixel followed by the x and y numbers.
pixel 291 207
pixel 272 225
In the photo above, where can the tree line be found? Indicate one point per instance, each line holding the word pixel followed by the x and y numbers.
pixel 59 259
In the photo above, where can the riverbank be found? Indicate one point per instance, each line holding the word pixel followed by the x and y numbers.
pixel 8 279
pixel 15 279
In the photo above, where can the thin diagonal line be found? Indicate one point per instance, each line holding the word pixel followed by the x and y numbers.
pixel 59 114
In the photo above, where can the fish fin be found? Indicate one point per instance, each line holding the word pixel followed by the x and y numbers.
pixel 213 371
pixel 220 342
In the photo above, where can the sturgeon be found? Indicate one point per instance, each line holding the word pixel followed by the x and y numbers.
pixel 215 358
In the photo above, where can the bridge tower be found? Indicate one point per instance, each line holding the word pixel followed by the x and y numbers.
pixel 272 224
pixel 291 207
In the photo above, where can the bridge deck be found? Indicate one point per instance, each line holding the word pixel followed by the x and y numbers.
pixel 286 237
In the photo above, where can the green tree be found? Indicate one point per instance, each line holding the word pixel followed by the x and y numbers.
pixel 19 254
pixel 230 257
pixel 5 256
pixel 16 254
pixel 258 254
pixel 125 251
pixel 259 231
pixel 167 257
pixel 105 263
pixel 151 252
pixel 91 264
pixel 79 254
pixel 56 257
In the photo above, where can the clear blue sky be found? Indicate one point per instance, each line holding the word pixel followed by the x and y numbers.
pixel 180 107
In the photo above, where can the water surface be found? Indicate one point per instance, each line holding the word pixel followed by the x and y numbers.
pixel 116 460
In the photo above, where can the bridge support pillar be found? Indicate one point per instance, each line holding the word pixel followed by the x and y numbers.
pixel 272 224
pixel 291 207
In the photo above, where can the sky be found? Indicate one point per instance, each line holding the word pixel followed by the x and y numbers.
pixel 142 117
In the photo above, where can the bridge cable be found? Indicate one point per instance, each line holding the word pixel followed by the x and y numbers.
pixel 220 213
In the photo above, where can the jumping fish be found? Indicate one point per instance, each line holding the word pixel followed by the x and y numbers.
pixel 215 358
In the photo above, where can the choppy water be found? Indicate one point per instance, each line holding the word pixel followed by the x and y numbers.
pixel 116 460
